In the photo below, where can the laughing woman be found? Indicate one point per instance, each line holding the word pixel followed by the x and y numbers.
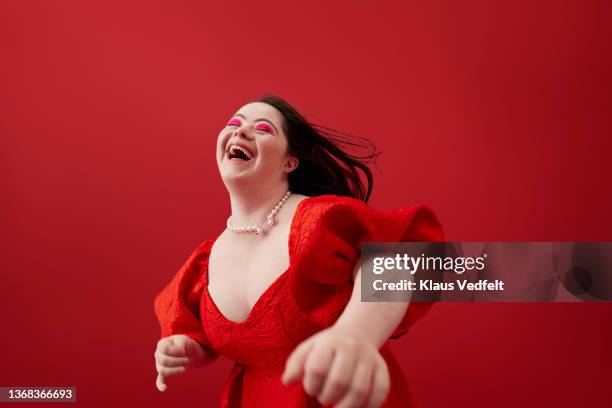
pixel 278 290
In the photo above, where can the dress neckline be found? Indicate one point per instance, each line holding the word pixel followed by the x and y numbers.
pixel 291 244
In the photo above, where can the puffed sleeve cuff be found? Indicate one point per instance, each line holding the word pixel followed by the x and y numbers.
pixel 177 305
pixel 346 223
pixel 418 224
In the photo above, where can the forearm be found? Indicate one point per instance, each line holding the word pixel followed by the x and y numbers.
pixel 374 321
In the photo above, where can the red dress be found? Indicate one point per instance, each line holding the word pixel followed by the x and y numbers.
pixel 324 244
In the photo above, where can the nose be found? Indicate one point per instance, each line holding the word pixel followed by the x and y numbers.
pixel 243 132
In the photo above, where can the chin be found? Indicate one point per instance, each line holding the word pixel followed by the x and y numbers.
pixel 236 176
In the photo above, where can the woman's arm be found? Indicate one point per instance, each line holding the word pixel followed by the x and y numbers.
pixel 373 321
pixel 342 365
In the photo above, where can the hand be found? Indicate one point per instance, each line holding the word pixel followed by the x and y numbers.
pixel 173 355
pixel 339 367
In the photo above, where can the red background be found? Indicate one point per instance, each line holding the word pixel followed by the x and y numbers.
pixel 495 115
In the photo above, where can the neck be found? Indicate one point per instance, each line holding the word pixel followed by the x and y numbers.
pixel 250 206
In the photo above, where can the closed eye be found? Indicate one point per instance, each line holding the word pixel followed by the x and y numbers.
pixel 234 122
pixel 264 128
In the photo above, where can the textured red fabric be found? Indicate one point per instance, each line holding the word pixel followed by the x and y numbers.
pixel 324 244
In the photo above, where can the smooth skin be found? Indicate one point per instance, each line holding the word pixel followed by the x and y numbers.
pixel 340 365
pixel 175 353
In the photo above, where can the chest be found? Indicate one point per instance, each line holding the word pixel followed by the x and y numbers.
pixel 241 269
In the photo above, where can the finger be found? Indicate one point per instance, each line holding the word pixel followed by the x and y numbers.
pixel 169 371
pixel 160 384
pixel 380 386
pixel 180 341
pixel 316 367
pixel 168 361
pixel 339 378
pixel 294 367
pixel 171 350
pixel 360 387
pixel 167 346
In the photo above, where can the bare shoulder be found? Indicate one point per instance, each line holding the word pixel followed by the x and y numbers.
pixel 286 214
pixel 297 198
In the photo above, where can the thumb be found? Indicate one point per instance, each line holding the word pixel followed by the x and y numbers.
pixel 159 382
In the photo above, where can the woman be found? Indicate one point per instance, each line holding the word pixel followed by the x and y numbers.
pixel 278 291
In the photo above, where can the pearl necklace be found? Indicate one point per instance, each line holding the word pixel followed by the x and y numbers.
pixel 258 229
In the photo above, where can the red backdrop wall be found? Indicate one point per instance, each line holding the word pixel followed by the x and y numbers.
pixel 495 114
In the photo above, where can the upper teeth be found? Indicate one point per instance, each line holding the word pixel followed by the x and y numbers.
pixel 233 147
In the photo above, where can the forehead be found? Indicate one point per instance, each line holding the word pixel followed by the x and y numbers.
pixel 260 110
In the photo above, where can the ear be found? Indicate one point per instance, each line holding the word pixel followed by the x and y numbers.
pixel 291 163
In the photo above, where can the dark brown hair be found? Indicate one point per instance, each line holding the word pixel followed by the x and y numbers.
pixel 325 164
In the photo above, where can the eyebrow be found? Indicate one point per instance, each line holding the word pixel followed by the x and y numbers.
pixel 256 120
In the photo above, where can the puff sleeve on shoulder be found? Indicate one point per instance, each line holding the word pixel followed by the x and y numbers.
pixel 177 305
pixel 341 224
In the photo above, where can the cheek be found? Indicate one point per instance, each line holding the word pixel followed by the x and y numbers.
pixel 221 138
pixel 273 150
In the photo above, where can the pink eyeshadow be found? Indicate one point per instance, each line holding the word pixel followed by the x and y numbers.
pixel 265 127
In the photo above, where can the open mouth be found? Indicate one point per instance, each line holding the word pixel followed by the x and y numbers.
pixel 239 153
